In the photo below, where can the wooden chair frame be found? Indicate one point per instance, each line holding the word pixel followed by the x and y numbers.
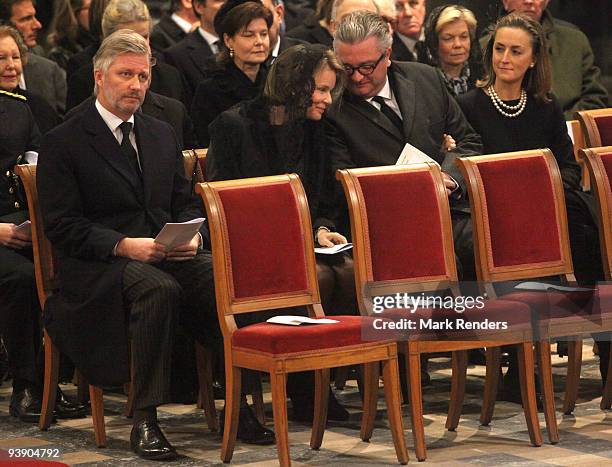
pixel 362 256
pixel 588 121
pixel 279 365
pixel 580 143
pixel 488 273
pixel 603 195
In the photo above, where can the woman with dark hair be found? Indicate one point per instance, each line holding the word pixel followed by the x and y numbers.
pixel 238 74
pixel 279 132
pixel 69 30
pixel 513 109
pixel 450 32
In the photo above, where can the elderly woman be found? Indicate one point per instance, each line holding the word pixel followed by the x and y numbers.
pixel 13 57
pixel 450 31
pixel 281 131
pixel 239 74
pixel 513 110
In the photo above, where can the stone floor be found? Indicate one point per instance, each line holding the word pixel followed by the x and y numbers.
pixel 586 437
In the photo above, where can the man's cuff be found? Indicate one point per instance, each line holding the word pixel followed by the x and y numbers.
pixel 201 242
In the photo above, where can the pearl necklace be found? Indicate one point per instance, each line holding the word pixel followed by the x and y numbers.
pixel 502 107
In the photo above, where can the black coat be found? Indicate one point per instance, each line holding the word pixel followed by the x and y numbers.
pixel 190 57
pixel 45 116
pixel 164 108
pixel 243 144
pixel 401 53
pixel 225 87
pixel 90 199
pixel 165 34
pixel 165 80
pixel 312 32
pixel 18 134
pixel 82 58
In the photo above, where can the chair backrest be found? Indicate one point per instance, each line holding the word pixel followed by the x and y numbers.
pixel 193 171
pixel 579 143
pixel 44 259
pixel 401 229
pixel 597 127
pixel 599 164
pixel 263 246
pixel 519 217
pixel 201 155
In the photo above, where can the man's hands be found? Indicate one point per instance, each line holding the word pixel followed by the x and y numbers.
pixel 449 183
pixel 184 252
pixel 13 238
pixel 147 251
pixel 325 238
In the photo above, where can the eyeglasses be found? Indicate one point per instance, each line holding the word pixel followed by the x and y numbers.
pixel 365 69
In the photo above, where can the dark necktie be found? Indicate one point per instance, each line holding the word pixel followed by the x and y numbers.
pixel 389 113
pixel 126 147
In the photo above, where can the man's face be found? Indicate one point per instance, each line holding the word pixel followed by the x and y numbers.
pixel 410 17
pixel 533 8
pixel 121 90
pixel 365 54
pixel 24 18
pixel 349 6
pixel 207 10
pixel 278 13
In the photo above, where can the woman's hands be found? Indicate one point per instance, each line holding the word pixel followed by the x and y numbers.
pixel 13 238
pixel 326 239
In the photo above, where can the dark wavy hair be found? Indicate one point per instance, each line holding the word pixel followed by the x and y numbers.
pixel 290 82
pixel 537 80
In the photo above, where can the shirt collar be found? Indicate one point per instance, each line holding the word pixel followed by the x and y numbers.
pixel 181 23
pixel 276 48
pixel 211 39
pixel 410 42
pixel 385 92
pixel 111 120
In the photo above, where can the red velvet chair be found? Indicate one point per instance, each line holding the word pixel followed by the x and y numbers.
pixel 597 127
pixel 402 237
pixel 263 257
pixel 521 233
pixel 599 163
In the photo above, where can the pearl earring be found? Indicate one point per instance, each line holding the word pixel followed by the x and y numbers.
pixel 231 52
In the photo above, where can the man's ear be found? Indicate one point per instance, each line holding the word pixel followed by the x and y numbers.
pixel 280 11
pixel 98 76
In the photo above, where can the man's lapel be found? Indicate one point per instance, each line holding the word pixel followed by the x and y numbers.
pixel 405 96
pixel 107 147
pixel 375 116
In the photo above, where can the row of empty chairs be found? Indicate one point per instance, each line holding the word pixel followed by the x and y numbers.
pixel 381 265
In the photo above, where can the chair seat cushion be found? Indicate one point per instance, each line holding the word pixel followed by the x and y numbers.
pixel 283 339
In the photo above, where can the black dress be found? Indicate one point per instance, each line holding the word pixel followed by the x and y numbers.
pixel 225 87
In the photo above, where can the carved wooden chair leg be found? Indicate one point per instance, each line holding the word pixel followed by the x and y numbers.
pixel 459 365
pixel 574 363
pixel 491 384
pixel 52 357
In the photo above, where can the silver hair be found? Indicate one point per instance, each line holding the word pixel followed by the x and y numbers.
pixel 119 12
pixel 359 26
pixel 120 42
pixel 338 3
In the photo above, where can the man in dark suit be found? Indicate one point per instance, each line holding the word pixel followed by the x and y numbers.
pixel 408 38
pixel 190 56
pixel 278 40
pixel 172 28
pixel 388 104
pixel 111 178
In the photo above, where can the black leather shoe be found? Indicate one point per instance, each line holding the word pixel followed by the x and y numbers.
pixel 303 409
pixel 26 405
pixel 148 441
pixel 65 408
pixel 250 431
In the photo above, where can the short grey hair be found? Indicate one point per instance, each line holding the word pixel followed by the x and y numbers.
pixel 120 42
pixel 359 26
pixel 338 3
pixel 119 12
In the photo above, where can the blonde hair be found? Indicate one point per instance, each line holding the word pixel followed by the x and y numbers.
pixel 453 13
pixel 119 12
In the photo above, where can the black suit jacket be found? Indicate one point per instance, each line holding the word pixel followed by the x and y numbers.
pixel 91 198
pixel 360 136
pixel 312 32
pixel 401 53
pixel 166 109
pixel 190 57
pixel 165 80
pixel 165 34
